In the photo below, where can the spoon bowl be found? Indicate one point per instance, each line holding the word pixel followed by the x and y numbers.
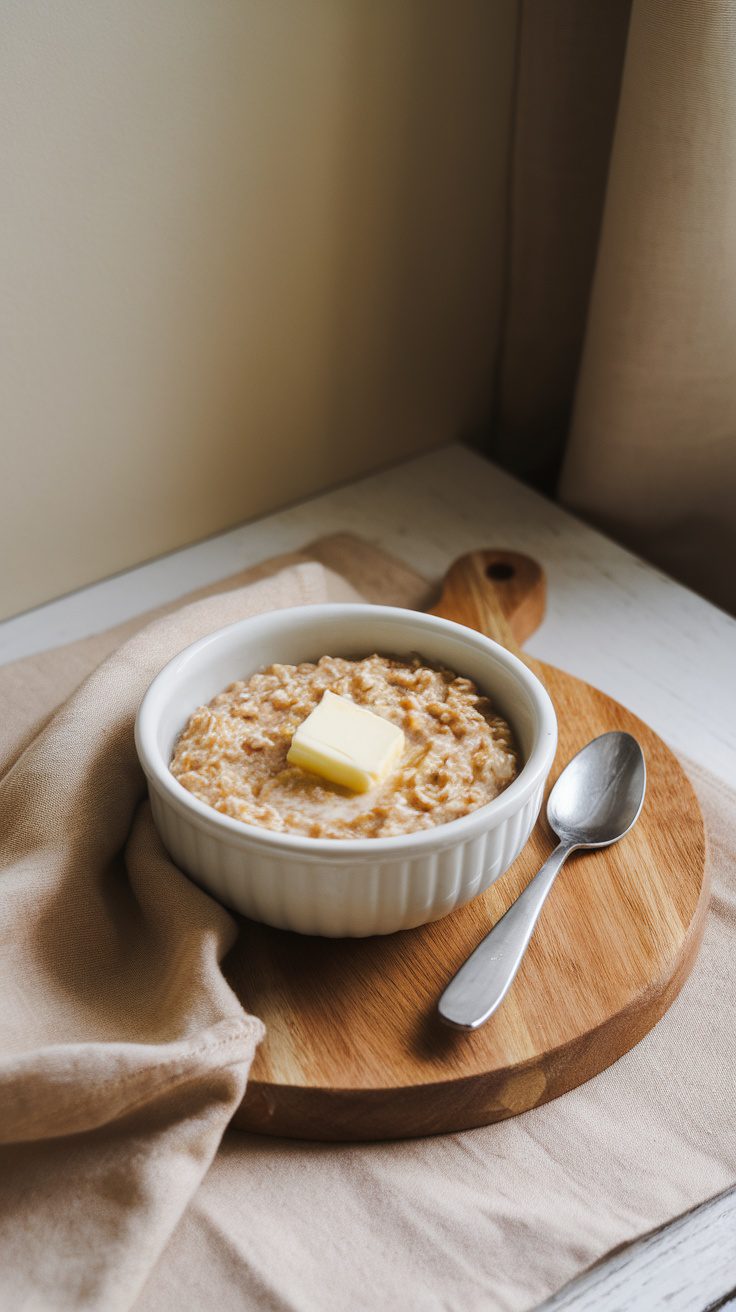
pixel 599 795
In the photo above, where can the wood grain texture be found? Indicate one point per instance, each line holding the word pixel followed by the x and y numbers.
pixel 353 1048
pixel 688 1265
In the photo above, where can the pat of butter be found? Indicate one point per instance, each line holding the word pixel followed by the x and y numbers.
pixel 346 744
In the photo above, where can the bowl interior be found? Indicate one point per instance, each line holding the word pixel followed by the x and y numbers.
pixel 306 633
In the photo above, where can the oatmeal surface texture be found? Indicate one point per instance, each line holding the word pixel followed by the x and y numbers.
pixel 459 754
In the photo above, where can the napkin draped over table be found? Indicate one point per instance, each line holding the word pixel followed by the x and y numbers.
pixel 124 1053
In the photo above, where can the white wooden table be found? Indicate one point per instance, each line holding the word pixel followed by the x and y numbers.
pixel 611 619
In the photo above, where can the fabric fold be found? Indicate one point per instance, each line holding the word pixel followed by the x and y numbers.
pixel 124 1050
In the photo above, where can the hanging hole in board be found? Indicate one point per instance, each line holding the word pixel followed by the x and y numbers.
pixel 500 571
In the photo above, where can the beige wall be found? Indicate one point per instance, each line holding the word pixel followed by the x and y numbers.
pixel 249 248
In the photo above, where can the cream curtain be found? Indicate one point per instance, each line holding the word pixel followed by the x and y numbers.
pixel 618 366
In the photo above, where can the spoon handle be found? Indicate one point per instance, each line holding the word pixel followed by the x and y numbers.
pixel 481 984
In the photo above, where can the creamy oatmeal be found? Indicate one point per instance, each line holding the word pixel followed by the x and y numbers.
pixel 458 754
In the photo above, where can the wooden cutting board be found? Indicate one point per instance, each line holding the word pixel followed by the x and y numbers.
pixel 353 1048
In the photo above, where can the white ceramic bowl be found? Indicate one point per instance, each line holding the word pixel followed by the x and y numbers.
pixel 328 886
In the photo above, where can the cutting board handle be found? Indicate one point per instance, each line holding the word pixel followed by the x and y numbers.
pixel 499 593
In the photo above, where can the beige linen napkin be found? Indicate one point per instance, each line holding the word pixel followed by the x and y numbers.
pixel 110 963
pixel 123 1052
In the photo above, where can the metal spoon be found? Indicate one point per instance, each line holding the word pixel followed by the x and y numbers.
pixel 595 801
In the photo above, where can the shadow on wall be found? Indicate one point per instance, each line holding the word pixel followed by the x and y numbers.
pixel 419 224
